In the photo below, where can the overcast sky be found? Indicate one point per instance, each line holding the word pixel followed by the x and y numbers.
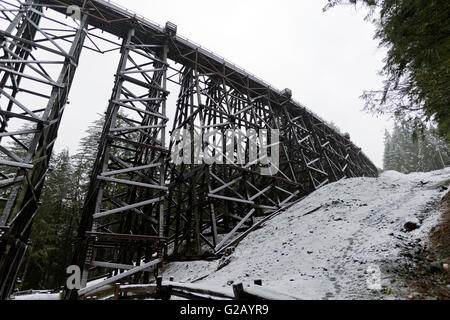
pixel 326 59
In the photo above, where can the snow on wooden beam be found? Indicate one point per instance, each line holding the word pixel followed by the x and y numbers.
pixel 115 278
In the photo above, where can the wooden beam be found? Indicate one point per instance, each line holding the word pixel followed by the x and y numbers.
pixel 128 207
pixel 133 183
pixel 86 290
pixel 133 237
pixel 236 228
pixel 216 196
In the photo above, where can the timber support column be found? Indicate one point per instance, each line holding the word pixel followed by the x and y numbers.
pixel 23 173
pixel 122 227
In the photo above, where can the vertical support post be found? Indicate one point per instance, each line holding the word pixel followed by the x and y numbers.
pixel 162 181
pixel 23 201
pixel 95 192
pixel 238 290
pixel 116 291
pixel 128 178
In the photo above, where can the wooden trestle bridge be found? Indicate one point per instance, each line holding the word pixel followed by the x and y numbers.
pixel 141 208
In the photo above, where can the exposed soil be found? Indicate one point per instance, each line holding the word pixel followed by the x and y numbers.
pixel 423 269
pixel 437 284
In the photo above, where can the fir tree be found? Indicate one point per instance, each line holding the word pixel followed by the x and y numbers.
pixel 417 67
pixel 406 150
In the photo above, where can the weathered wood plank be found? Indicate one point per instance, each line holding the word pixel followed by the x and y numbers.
pixel 115 278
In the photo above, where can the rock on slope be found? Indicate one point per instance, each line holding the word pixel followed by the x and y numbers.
pixel 344 250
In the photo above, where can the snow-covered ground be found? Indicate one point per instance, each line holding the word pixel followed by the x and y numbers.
pixel 341 250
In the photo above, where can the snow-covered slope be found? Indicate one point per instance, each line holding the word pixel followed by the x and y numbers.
pixel 341 251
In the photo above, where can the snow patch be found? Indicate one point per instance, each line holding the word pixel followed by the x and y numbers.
pixel 335 252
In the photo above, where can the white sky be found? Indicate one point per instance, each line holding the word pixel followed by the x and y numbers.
pixel 326 59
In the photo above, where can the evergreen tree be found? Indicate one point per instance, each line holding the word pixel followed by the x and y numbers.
pixel 388 157
pixel 417 67
pixel 53 228
pixel 406 150
pixel 57 219
pixel 86 154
